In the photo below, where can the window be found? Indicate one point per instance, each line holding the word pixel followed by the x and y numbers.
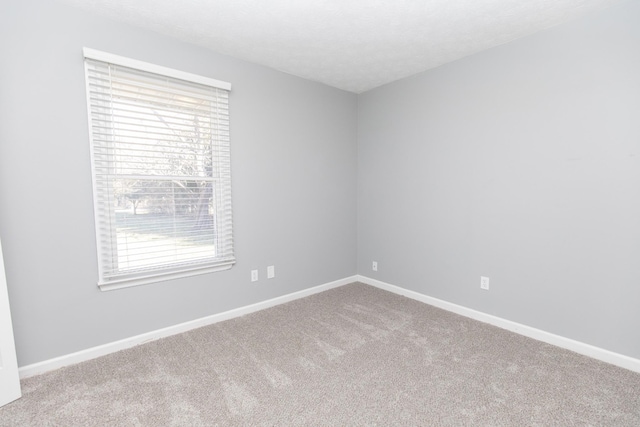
pixel 161 171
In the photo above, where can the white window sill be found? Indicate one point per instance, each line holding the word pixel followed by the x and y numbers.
pixel 159 277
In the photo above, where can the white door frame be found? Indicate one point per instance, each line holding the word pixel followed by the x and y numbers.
pixel 9 377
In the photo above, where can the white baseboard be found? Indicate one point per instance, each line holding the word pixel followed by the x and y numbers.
pixel 537 334
pixel 540 335
pixel 102 350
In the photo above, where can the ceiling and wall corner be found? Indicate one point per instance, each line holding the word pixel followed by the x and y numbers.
pixel 353 45
pixel 519 164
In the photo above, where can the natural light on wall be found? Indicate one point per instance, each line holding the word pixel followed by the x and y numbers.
pixel 161 171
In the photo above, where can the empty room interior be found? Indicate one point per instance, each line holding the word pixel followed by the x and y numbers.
pixel 410 213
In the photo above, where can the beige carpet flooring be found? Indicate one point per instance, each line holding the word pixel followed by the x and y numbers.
pixel 351 356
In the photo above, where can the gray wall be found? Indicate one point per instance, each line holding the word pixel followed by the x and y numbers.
pixel 294 182
pixel 521 163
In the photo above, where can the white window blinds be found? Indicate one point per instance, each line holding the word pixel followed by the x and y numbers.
pixel 161 171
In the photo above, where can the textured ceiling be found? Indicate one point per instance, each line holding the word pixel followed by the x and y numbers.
pixel 354 45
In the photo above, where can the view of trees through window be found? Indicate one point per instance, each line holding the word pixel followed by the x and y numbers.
pixel 161 169
pixel 161 176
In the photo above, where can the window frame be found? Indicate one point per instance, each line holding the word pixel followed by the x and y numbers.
pixel 165 272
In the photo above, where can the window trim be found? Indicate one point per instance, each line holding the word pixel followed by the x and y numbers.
pixel 158 276
pixel 153 68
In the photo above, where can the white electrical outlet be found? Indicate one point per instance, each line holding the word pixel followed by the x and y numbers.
pixel 374 266
pixel 254 275
pixel 484 283
pixel 271 272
